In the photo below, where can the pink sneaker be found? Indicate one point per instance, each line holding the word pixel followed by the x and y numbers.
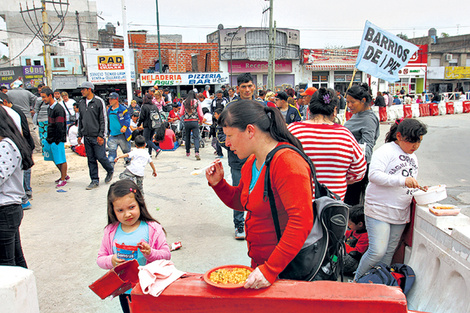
pixel 58 180
pixel 61 183
pixel 188 154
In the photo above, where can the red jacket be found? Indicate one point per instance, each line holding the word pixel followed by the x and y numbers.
pixel 292 187
pixel 356 242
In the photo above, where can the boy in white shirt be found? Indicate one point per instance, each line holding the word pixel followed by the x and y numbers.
pixel 139 159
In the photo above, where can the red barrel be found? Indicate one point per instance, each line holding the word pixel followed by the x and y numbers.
pixel 449 108
pixel 407 111
pixel 466 107
pixel 423 109
pixel 433 109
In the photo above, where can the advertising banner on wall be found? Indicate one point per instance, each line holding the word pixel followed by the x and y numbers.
pixel 457 72
pixel 106 66
pixel 175 79
pixel 30 75
pixel 33 75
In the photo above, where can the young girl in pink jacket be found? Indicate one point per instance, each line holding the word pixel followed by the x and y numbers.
pixel 132 233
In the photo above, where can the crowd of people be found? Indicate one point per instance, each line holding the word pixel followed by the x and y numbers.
pixel 243 127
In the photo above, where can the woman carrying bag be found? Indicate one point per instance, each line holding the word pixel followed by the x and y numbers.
pixel 253 130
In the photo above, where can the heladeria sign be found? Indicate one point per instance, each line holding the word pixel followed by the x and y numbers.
pixel 383 54
pixel 106 66
pixel 173 79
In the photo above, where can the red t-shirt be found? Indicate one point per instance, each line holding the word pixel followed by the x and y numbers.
pixel 169 142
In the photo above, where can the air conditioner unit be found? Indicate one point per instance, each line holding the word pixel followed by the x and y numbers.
pixel 448 57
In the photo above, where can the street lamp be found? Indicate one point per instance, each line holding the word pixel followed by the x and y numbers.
pixel 231 55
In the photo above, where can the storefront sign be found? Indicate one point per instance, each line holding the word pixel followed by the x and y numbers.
pixel 329 56
pixel 242 66
pixel 174 79
pixel 106 66
pixel 436 72
pixel 412 71
pixel 420 56
pixel 457 72
pixel 383 54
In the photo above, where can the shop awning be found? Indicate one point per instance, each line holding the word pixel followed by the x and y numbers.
pixel 329 67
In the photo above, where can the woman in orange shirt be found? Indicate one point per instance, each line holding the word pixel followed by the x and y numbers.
pixel 253 130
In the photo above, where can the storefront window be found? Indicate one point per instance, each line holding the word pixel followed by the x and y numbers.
pixel 320 79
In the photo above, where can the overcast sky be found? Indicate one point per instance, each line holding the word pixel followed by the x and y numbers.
pixel 321 23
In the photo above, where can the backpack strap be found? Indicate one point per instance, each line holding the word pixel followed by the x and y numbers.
pixel 268 192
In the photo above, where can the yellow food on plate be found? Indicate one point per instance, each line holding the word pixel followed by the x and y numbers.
pixel 230 275
pixel 443 207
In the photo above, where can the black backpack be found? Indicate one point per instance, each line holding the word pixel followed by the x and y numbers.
pixel 321 256
pixel 155 118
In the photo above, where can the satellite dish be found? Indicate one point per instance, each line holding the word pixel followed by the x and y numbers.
pixel 220 27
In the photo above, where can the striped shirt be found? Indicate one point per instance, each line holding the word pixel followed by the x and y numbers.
pixel 334 151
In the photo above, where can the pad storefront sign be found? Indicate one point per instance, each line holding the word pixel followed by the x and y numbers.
pixel 107 66
pixel 175 79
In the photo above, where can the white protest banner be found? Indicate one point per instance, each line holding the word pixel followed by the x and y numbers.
pixel 382 54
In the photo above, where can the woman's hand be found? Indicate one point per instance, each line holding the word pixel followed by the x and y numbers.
pixel 256 280
pixel 144 248
pixel 410 182
pixel 116 261
pixel 215 173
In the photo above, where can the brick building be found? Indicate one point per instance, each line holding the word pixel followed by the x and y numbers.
pixel 178 57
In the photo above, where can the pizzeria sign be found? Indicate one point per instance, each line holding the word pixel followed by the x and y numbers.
pixel 174 79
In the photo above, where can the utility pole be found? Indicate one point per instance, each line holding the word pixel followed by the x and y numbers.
pixel 127 58
pixel 47 45
pixel 271 57
pixel 43 30
pixel 82 60
pixel 158 35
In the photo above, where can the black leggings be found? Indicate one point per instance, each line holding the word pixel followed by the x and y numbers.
pixel 11 252
pixel 356 192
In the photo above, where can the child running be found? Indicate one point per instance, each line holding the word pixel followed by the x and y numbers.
pixel 392 180
pixel 132 233
pixel 139 158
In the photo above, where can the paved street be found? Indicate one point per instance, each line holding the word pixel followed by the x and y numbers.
pixel 62 233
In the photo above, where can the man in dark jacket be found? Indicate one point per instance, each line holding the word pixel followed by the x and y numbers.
pixel 92 126
pixel 56 135
pixel 290 113
pixel 245 89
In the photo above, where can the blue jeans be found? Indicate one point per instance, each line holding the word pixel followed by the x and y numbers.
pixel 96 153
pixel 113 143
pixel 238 216
pixel 148 134
pixel 383 241
pixel 191 126
pixel 27 185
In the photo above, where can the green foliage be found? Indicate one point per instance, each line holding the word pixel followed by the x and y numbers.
pixel 402 36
